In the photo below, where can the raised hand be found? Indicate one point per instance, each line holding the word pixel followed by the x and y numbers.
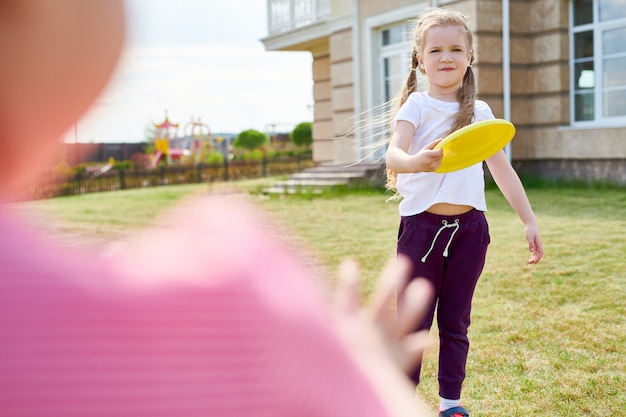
pixel 380 340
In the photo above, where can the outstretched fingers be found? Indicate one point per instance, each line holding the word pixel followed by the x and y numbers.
pixel 393 278
pixel 399 324
pixel 381 342
pixel 415 302
pixel 348 293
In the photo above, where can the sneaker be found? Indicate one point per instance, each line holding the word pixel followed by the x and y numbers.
pixel 454 412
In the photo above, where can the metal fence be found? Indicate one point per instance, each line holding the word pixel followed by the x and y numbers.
pixel 84 183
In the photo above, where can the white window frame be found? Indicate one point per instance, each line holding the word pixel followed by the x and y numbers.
pixel 373 54
pixel 401 50
pixel 372 62
pixel 598 27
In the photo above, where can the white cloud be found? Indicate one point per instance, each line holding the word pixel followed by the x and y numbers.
pixel 232 83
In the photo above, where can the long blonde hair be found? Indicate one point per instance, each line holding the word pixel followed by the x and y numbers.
pixel 467 92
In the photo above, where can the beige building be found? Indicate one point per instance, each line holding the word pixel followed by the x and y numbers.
pixel 555 68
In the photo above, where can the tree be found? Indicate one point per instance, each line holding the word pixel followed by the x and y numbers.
pixel 302 134
pixel 250 139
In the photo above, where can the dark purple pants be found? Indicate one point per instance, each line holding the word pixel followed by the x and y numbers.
pixel 450 252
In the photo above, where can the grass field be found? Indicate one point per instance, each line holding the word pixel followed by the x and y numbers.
pixel 547 340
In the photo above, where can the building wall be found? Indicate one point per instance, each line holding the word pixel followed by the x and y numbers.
pixel 341 7
pixel 333 93
pixel 545 143
pixel 322 111
pixel 539 71
pixel 373 7
pixel 342 81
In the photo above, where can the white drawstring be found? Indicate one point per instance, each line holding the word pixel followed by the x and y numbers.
pixel 445 225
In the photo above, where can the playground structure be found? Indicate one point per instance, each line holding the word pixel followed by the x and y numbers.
pixel 198 137
pixel 190 148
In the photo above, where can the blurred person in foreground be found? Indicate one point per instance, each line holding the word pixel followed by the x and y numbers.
pixel 205 317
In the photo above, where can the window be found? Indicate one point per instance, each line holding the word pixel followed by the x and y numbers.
pixel 395 55
pixel 598 61
pixel 391 63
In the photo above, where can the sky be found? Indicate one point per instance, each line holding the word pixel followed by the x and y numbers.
pixel 200 59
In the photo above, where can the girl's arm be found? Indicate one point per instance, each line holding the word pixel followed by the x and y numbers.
pixel 400 161
pixel 509 183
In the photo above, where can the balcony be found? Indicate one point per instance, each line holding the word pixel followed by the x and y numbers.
pixel 287 15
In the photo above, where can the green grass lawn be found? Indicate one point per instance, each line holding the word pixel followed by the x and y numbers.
pixel 547 339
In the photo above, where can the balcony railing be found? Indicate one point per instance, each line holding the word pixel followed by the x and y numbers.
pixel 286 15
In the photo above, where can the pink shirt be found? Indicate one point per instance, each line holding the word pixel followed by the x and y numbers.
pixel 207 317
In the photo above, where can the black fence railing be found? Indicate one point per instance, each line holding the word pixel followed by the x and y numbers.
pixel 112 180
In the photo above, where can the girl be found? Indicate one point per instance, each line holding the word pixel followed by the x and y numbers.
pixel 443 229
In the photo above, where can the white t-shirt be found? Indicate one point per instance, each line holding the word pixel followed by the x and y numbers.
pixel 432 119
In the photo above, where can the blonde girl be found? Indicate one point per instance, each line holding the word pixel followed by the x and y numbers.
pixel 443 229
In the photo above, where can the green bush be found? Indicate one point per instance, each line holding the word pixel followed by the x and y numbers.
pixel 214 158
pixel 253 155
pixel 122 165
pixel 250 139
pixel 302 134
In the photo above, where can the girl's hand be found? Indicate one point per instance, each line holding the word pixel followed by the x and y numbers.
pixel 381 342
pixel 398 158
pixel 534 243
pixel 427 159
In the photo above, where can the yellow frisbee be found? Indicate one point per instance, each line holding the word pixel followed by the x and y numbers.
pixel 474 143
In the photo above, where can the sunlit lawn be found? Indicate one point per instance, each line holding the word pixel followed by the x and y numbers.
pixel 547 340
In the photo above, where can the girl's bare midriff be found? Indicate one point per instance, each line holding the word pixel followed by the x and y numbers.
pixel 447 209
